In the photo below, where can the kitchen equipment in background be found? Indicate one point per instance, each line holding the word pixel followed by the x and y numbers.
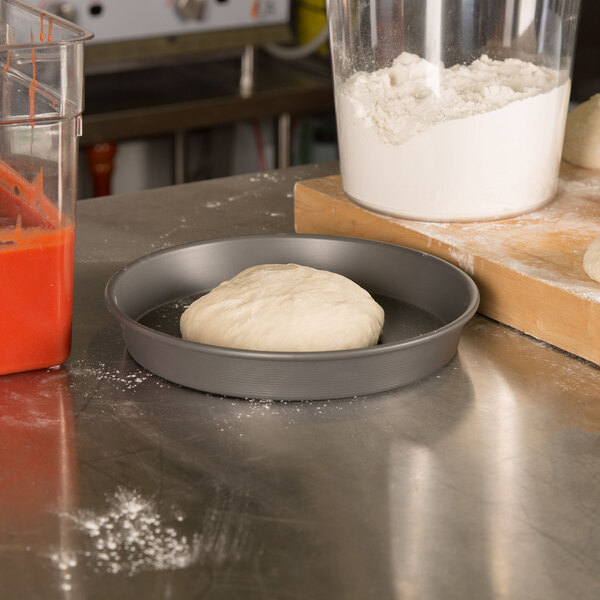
pixel 118 20
pixel 128 32
pixel 311 19
pixel 454 110
pixel 41 74
pixel 155 40
pixel 312 33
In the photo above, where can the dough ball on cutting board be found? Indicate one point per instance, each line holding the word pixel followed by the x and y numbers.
pixel 582 134
pixel 591 260
pixel 285 308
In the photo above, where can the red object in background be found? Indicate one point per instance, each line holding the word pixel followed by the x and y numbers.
pixel 101 162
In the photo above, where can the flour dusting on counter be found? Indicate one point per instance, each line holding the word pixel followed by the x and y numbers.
pixel 271 176
pixel 125 378
pixel 131 536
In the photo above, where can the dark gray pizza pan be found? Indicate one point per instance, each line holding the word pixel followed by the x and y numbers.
pixel 427 303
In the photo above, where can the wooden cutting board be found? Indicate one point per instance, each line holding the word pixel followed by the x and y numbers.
pixel 528 268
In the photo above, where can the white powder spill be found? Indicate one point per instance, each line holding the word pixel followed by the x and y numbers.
pixel 241 196
pixel 581 187
pixel 64 562
pixel 130 536
pixel 463 143
pixel 264 176
pixel 35 420
pixel 287 412
pixel 547 245
pixel 183 225
pixel 133 534
pixel 124 380
pixel 464 260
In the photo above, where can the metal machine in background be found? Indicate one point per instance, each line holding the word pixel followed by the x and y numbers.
pixel 117 20
pixel 161 72
pixel 129 31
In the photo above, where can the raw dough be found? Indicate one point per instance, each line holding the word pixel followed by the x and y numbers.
pixel 591 260
pixel 285 308
pixel 582 134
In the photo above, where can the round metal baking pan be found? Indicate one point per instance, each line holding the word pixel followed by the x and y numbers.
pixel 427 302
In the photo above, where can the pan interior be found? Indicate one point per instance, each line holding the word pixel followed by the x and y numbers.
pixel 402 320
pixel 427 302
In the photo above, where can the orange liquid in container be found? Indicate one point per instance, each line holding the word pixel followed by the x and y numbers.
pixel 36 278
pixel 42 101
pixel 36 300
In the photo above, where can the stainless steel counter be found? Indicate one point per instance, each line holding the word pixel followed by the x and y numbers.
pixel 482 481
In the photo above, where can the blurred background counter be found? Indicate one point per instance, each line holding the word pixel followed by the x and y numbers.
pixel 197 89
pixel 202 90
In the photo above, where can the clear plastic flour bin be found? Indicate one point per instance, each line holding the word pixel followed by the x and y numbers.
pixel 451 110
pixel 41 85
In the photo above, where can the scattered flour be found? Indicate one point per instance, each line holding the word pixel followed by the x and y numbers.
pixel 64 562
pixel 514 246
pixel 125 379
pixel 587 187
pixel 464 143
pixel 264 176
pixel 131 537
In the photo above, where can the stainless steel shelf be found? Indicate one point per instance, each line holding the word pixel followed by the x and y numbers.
pixel 203 94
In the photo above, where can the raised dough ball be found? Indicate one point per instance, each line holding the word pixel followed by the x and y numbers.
pixel 285 308
pixel 582 134
pixel 591 260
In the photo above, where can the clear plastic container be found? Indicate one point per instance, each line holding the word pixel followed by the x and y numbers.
pixel 41 84
pixel 451 110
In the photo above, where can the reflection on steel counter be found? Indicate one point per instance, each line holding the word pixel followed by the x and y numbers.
pixel 38 481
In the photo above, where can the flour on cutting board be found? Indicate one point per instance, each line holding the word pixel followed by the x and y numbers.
pixel 581 187
pixel 548 244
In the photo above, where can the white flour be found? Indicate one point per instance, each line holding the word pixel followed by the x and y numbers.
pixel 485 143
pixel 131 536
